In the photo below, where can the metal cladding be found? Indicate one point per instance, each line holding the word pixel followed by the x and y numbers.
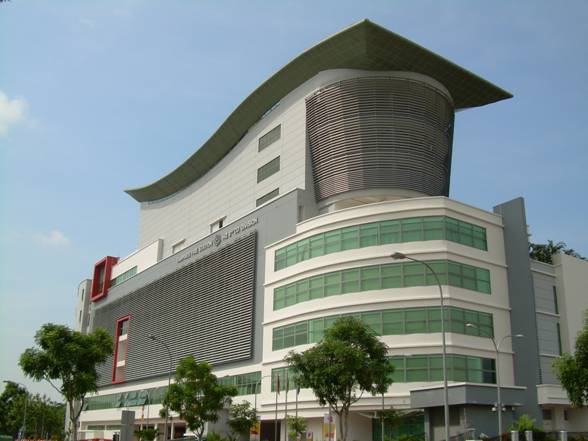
pixel 204 309
pixel 380 133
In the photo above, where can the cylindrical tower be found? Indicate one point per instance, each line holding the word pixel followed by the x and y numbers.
pixel 380 135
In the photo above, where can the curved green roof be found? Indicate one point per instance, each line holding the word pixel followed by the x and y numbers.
pixel 364 45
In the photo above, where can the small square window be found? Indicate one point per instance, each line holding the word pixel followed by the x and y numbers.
pixel 217 225
pixel 178 246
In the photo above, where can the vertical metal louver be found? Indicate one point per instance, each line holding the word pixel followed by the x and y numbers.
pixel 203 309
pixel 380 132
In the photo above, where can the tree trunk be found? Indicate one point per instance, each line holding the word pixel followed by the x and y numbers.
pixel 73 417
pixel 343 414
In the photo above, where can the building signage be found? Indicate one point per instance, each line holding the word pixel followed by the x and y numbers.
pixel 255 431
pixel 329 427
pixel 219 239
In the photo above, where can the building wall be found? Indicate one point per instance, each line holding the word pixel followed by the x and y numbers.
pixel 82 314
pixel 548 319
pixel 204 309
pixel 152 298
pixel 230 189
pixel 140 259
pixel 572 274
pixel 410 344
pixel 522 303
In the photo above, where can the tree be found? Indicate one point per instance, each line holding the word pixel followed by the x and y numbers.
pixel 349 361
pixel 146 434
pixel 44 418
pixel 242 417
pixel 69 357
pixel 197 395
pixel 545 252
pixel 572 370
pixel 297 427
pixel 12 403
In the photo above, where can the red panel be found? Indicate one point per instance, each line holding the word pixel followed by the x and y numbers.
pixel 101 277
pixel 116 336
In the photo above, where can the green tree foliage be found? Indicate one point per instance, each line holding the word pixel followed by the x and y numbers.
pixel 44 417
pixel 69 357
pixel 297 427
pixel 146 434
pixel 545 252
pixel 197 395
pixel 242 417
pixel 572 370
pixel 12 403
pixel 349 361
pixel 524 423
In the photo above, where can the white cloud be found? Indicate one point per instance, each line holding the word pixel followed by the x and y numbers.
pixel 54 238
pixel 11 112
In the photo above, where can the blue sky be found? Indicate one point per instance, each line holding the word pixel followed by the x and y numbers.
pixel 99 96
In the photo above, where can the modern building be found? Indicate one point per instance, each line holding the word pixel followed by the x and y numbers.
pixel 286 218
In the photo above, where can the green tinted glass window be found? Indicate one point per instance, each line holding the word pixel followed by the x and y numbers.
pixel 269 138
pixel 386 232
pixel 389 232
pixel 368 235
pixel 412 230
pixel 389 322
pixel 375 277
pixel 267 197
pixel 265 171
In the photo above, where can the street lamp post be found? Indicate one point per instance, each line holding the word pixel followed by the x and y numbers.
pixel 498 389
pixel 156 339
pixel 400 256
pixel 24 419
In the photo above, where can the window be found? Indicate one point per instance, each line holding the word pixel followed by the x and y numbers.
pixel 119 367
pixel 101 277
pixel 424 320
pixel 178 246
pixel 558 328
pixel 246 384
pixel 217 225
pixel 267 197
pixel 279 374
pixel 152 395
pixel 266 170
pixel 555 305
pixel 429 367
pixel 385 232
pixel 269 138
pixel 80 317
pixel 101 272
pixel 124 276
pixel 546 414
pixel 375 277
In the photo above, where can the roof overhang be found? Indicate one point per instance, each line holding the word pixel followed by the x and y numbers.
pixel 364 46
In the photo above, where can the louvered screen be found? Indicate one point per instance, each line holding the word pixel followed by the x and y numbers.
pixel 204 309
pixel 380 132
